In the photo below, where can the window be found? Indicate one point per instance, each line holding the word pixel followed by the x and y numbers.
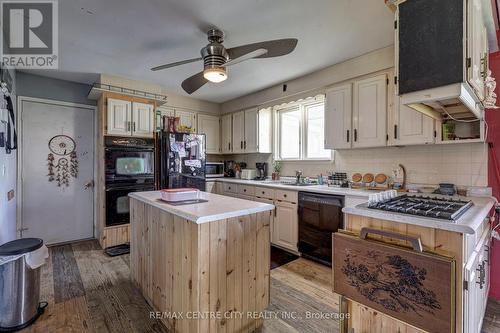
pixel 300 129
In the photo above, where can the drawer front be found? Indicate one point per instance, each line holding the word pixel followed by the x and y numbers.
pixel 246 190
pixel 230 188
pixel 289 196
pixel 264 192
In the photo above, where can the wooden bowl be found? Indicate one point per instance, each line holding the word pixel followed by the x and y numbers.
pixel 368 178
pixel 357 177
pixel 380 178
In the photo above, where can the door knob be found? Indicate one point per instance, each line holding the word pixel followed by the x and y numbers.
pixel 88 184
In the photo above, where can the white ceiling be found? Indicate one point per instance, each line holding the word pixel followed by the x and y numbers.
pixel 128 37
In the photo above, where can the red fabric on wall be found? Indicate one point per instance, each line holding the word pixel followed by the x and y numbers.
pixel 493 120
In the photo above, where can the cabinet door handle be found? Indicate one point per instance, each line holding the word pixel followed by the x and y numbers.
pixel 229 146
pixel 347 137
pixel 415 241
pixel 134 126
pixel 245 144
pixel 395 131
pixel 241 144
pixel 355 135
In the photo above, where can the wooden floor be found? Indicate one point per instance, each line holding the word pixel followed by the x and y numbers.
pixel 88 291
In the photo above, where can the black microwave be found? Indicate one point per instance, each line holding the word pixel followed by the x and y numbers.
pixel 214 169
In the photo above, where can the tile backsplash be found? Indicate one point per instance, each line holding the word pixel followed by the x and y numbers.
pixel 463 164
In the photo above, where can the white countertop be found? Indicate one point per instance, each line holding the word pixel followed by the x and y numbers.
pixel 325 189
pixel 468 223
pixel 218 207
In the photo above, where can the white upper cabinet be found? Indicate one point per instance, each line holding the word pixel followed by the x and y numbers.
pixel 477 48
pixel 142 119
pixel 265 133
pixel 119 117
pixel 209 125
pixel 226 134
pixel 370 112
pixel 238 132
pixel 251 140
pixel 338 117
pixel 186 118
pixel 409 127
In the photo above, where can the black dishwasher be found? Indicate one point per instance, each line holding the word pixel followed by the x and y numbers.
pixel 320 215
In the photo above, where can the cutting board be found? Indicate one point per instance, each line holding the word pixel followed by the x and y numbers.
pixel 417 288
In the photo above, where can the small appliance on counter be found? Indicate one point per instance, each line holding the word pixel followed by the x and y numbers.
pixel 261 170
pixel 248 174
pixel 214 169
pixel 338 179
pixel 446 189
pixel 229 168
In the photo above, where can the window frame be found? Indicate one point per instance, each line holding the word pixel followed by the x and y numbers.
pixel 302 106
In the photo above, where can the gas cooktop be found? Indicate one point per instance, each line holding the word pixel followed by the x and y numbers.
pixel 434 207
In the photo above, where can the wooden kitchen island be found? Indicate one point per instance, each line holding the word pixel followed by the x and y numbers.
pixel 464 244
pixel 204 266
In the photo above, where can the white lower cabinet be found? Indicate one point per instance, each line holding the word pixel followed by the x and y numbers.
pixel 476 285
pixel 286 225
pixel 271 221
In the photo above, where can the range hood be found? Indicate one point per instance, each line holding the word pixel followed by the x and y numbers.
pixel 438 58
pixel 456 100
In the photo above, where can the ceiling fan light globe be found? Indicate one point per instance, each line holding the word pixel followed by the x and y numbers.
pixel 215 74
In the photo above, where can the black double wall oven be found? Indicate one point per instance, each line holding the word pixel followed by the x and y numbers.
pixel 129 167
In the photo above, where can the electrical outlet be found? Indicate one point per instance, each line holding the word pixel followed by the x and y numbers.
pixel 10 195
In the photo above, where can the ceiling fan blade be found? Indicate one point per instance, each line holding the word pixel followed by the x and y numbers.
pixel 275 48
pixel 193 83
pixel 253 54
pixel 173 64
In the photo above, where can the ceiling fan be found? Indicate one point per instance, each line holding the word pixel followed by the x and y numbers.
pixel 216 58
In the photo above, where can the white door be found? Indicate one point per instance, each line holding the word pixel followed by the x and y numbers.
pixel 410 127
pixel 370 112
pixel 338 117
pixel 238 132
pixel 286 226
pixel 186 118
pixel 251 142
pixel 119 117
pixel 226 133
pixel 142 120
pixel 209 125
pixel 50 132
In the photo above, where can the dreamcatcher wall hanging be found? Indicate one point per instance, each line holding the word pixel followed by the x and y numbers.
pixel 61 161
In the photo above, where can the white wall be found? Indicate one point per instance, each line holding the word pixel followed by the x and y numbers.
pixel 7 183
pixel 173 100
pixel 310 84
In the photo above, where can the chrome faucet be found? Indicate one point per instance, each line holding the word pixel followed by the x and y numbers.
pixel 298 176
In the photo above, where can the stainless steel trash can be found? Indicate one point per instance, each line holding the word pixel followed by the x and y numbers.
pixel 19 286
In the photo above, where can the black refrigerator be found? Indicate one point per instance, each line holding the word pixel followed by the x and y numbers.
pixel 181 160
